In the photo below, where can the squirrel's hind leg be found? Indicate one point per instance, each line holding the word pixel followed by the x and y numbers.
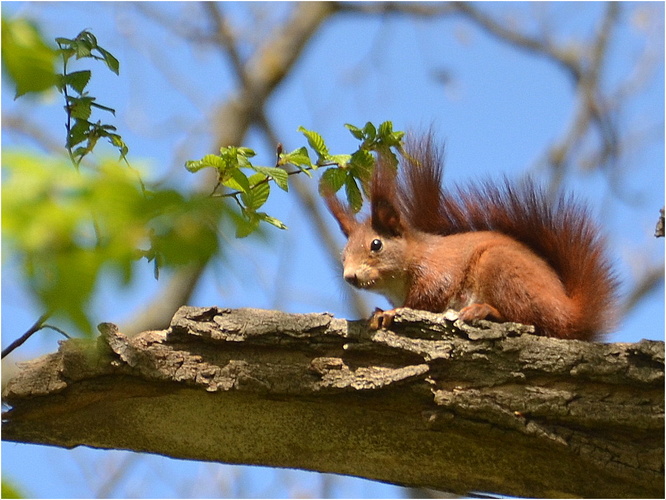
pixel 480 311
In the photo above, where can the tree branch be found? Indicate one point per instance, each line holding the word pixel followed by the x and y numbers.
pixel 431 403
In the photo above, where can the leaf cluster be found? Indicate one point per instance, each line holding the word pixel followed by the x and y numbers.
pixel 81 130
pixel 355 172
pixel 250 185
pixel 30 63
pixel 65 228
pixel 250 192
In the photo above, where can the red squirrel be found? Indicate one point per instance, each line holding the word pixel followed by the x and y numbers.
pixel 492 251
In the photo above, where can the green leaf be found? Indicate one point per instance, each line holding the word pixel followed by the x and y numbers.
pixel 234 157
pixel 27 59
pixel 247 152
pixel 280 176
pixel 370 131
pixel 355 131
pixel 78 133
pixel 386 129
pixel 387 137
pixel 195 165
pixel 80 152
pixel 11 490
pixel 117 141
pixel 236 179
pixel 213 161
pixel 82 48
pixel 397 138
pixel 361 166
pixel 80 107
pixel 183 228
pixel 87 37
pixel 66 230
pixel 362 160
pixel 247 224
pixel 300 159
pixel 64 41
pixel 83 45
pixel 257 195
pixel 332 180
pixel 272 220
pixel 110 60
pixel 105 108
pixel 315 141
pixel 78 80
pixel 341 160
pixel 354 196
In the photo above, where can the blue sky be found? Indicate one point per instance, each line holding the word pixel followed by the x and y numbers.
pixel 499 112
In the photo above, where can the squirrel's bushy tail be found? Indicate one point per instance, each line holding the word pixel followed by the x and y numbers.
pixel 561 232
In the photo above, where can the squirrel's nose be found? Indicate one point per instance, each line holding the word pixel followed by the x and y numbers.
pixel 351 278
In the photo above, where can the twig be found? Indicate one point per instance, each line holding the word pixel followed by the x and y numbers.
pixel 68 109
pixel 233 194
pixel 38 325
pixel 649 281
pixel 21 123
pixel 520 40
pixel 225 37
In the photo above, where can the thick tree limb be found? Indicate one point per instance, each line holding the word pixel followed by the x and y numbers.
pixel 430 404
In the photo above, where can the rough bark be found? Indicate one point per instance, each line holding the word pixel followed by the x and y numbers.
pixel 430 403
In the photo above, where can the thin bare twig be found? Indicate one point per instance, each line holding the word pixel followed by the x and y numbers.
pixel 644 285
pixel 20 123
pixel 522 41
pixel 226 39
pixel 37 326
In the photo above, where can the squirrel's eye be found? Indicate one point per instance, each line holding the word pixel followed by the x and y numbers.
pixel 376 245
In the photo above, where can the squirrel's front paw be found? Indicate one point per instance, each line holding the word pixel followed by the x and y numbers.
pixel 381 319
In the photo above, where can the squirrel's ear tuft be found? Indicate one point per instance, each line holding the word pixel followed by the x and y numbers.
pixel 342 214
pixel 386 218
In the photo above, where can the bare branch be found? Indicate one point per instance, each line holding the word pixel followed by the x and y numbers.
pixel 649 280
pixel 22 125
pixel 40 324
pixel 226 39
pixel 417 9
pixel 566 60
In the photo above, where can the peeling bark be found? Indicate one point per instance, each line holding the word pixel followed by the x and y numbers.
pixel 431 403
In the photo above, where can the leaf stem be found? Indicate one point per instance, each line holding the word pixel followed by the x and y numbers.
pixel 68 123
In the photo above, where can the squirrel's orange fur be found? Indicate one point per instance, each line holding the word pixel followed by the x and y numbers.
pixel 496 251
